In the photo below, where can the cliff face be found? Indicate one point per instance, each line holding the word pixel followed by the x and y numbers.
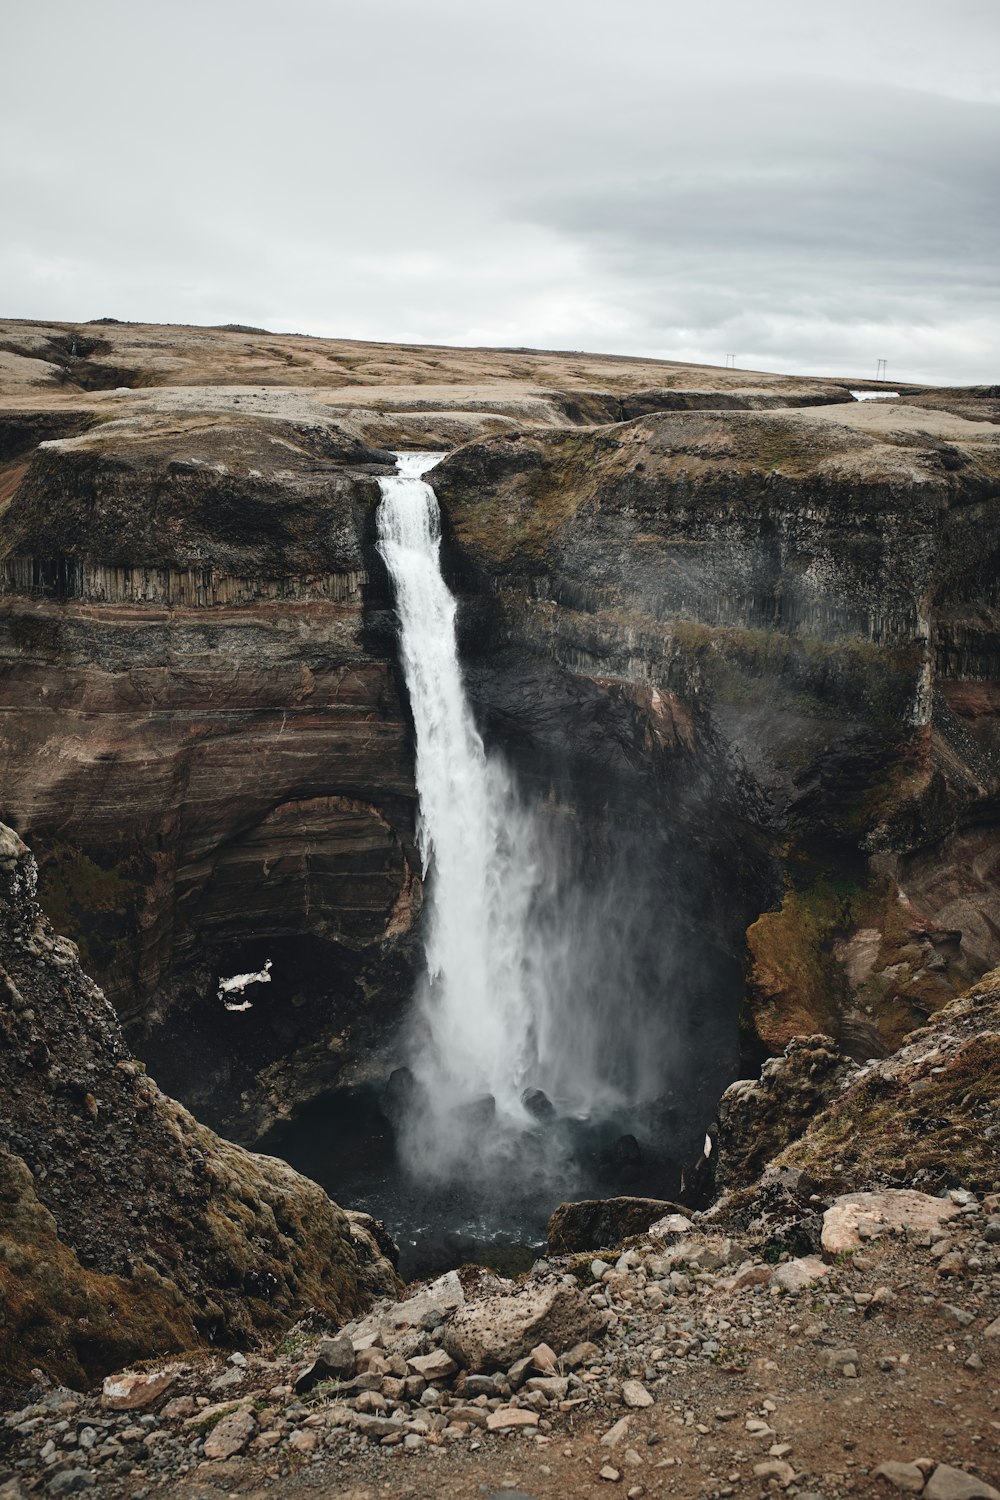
pixel 813 594
pixel 206 747
pixel 127 1229
pixel 746 656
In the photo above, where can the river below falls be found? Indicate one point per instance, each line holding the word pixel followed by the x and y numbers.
pixel 348 1146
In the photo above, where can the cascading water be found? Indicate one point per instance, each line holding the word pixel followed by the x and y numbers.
pixel 495 1013
pixel 571 1031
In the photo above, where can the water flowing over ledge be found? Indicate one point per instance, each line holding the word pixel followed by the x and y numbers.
pixel 507 1028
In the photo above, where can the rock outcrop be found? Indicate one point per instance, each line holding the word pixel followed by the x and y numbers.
pixel 127 1229
pixel 759 1117
pixel 598 1222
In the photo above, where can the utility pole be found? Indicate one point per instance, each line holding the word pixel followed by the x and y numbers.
pixel 880 370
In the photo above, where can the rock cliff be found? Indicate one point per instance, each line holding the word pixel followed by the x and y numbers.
pixel 127 1228
pixel 208 754
pixel 803 606
pixel 738 632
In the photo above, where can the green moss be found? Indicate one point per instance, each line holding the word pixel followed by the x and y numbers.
pixel 798 984
pixel 889 1130
pixel 98 908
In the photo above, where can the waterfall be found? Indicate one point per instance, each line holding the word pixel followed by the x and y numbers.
pixel 525 984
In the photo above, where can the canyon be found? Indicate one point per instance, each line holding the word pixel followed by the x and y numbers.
pixel 736 635
pixel 735 639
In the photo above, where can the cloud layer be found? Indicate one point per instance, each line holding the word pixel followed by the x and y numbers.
pixel 807 193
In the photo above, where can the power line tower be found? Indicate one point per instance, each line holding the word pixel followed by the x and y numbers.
pixel 730 361
pixel 880 370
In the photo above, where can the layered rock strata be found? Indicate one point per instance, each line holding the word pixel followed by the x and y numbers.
pixel 208 752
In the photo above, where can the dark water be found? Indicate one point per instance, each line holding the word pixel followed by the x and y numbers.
pixel 496 1216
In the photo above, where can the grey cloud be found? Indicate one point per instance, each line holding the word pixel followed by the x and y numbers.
pixel 797 186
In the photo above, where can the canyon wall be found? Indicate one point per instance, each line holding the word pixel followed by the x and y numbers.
pixel 806 603
pixel 207 751
pixel 127 1229
pixel 740 639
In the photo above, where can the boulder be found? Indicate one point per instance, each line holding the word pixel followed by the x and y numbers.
pixel 437 1365
pixel 494 1332
pixel 538 1104
pixel 230 1435
pixel 857 1217
pixel 598 1223
pixel 947 1483
pixel 798 1275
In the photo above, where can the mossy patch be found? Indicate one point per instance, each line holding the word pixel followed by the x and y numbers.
pixel 797 984
pixel 929 1127
pixel 97 907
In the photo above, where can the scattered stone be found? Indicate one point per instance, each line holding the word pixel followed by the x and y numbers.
pixel 71 1482
pixel 230 1435
pixel 544 1359
pixel 612 1475
pixel 436 1366
pixel 840 1361
pixel 584 1354
pixel 798 1275
pixel 179 1406
pixel 135 1392
pixel 670 1224
pixel 511 1416
pixel 615 1434
pixel 303 1442
pixel 337 1356
pixel 774 1468
pixel 635 1394
pixel 708 1254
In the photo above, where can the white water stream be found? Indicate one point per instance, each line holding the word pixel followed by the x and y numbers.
pixel 534 978
pixel 481 1002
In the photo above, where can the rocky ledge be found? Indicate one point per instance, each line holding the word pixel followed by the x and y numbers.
pixel 699 1360
pixel 817 1332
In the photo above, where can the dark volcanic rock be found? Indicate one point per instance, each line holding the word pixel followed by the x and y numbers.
pixel 799 611
pixel 758 1118
pixel 600 1223
pixel 126 1227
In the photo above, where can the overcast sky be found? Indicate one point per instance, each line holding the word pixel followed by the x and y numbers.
pixel 808 188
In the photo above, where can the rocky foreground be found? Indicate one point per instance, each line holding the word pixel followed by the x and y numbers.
pixel 696 1361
